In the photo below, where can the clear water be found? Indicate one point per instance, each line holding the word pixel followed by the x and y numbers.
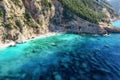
pixel 116 23
pixel 63 57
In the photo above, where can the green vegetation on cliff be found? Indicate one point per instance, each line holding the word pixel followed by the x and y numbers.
pixel 86 9
pixel 1 13
pixel 46 3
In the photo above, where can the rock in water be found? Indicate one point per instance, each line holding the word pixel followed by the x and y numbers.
pixel 57 76
pixel 53 44
pixel 107 46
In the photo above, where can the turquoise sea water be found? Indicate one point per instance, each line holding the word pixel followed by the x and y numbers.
pixel 116 23
pixel 63 57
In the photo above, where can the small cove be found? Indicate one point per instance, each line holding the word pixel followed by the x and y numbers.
pixel 116 23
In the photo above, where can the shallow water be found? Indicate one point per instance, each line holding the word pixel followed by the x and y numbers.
pixel 63 57
pixel 116 23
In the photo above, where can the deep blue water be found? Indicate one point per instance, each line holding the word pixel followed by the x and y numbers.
pixel 63 57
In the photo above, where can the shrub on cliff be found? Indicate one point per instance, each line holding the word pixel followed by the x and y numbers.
pixel 1 13
pixel 85 9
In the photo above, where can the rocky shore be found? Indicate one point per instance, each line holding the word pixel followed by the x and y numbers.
pixel 14 43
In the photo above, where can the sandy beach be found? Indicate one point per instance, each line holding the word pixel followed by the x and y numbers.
pixel 2 46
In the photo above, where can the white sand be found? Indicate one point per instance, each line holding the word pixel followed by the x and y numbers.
pixel 2 46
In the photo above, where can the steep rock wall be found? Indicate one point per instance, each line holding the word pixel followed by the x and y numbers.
pixel 67 21
pixel 24 19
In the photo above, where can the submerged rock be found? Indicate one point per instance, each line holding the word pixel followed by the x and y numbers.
pixel 57 76
pixel 107 46
pixel 53 44
pixel 84 65
pixel 98 49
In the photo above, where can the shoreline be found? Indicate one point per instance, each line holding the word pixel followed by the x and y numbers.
pixel 48 34
pixel 115 19
pixel 14 43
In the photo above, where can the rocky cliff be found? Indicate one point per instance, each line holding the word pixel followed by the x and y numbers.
pixel 69 19
pixel 24 19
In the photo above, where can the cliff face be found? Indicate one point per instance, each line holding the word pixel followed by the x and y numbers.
pixel 24 19
pixel 67 20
